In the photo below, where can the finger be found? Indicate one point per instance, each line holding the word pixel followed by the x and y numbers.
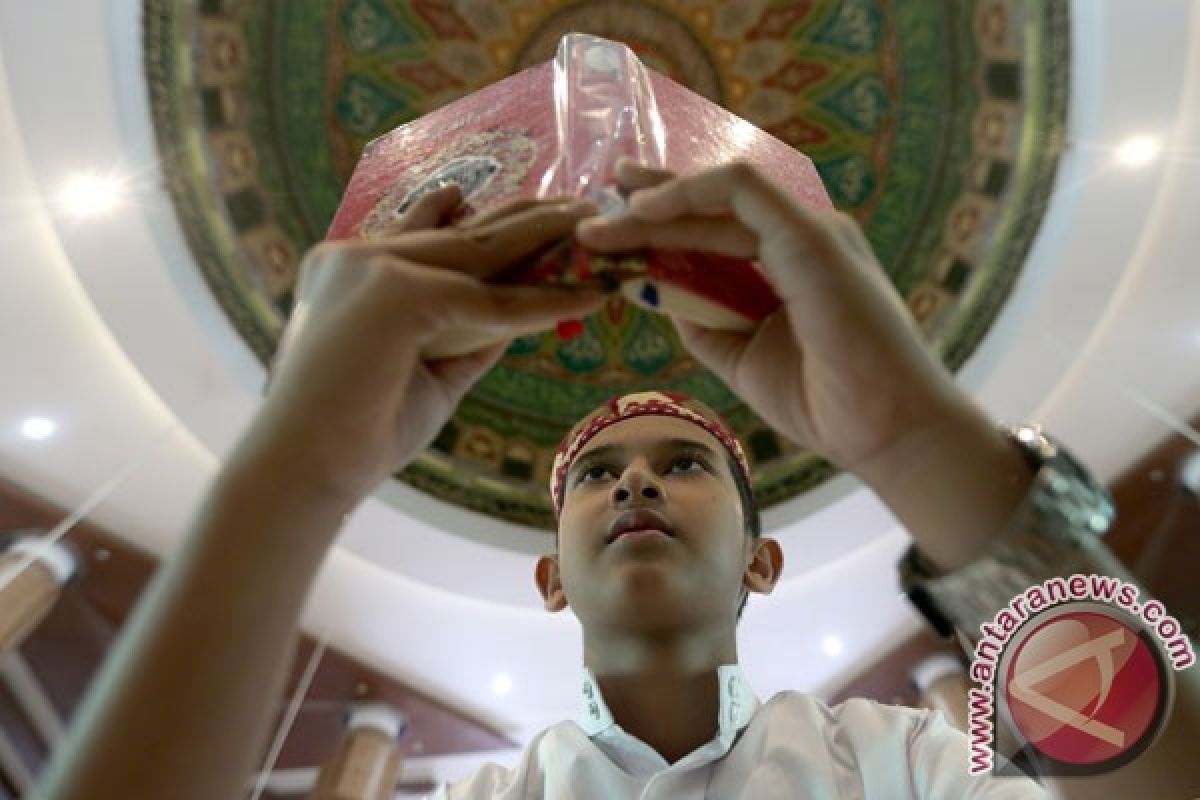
pixel 724 235
pixel 786 231
pixel 508 209
pixel 484 250
pixel 500 212
pixel 428 211
pixel 520 310
pixel 460 373
pixel 718 351
pixel 851 233
pixel 633 175
pixel 719 190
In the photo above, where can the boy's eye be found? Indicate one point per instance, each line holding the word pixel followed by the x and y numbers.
pixel 594 473
pixel 686 464
pixel 678 464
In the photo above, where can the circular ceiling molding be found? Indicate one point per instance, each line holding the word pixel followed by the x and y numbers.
pixel 937 124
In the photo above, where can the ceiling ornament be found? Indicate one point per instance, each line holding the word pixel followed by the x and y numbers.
pixel 937 124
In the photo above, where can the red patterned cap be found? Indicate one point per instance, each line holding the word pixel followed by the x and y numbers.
pixel 623 407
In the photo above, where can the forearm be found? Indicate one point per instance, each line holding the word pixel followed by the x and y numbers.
pixel 974 492
pixel 954 485
pixel 182 705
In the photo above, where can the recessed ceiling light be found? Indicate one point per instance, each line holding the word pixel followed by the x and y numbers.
pixel 502 684
pixel 38 428
pixel 90 195
pixel 1137 151
pixel 832 646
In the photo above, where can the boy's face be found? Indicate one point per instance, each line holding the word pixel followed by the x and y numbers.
pixel 670 471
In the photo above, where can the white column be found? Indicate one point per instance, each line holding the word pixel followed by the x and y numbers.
pixel 942 685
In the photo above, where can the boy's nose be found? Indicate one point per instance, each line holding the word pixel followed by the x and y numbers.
pixel 634 483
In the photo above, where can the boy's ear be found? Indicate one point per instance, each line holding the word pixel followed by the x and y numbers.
pixel 549 583
pixel 765 567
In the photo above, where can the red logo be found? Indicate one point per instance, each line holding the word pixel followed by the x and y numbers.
pixel 1087 689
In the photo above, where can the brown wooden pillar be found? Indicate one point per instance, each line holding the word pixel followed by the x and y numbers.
pixel 32 574
pixel 366 763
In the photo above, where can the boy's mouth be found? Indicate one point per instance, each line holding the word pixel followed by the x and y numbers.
pixel 641 519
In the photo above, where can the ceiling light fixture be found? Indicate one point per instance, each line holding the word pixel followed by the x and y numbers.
pixel 832 646
pixel 91 195
pixel 38 428
pixel 502 684
pixel 1138 151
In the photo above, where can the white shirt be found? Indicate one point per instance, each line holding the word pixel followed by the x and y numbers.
pixel 793 747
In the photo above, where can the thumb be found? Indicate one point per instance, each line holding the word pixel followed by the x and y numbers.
pixel 519 310
pixel 427 211
pixel 459 373
pixel 719 351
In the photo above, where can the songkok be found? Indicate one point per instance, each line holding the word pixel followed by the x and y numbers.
pixel 623 407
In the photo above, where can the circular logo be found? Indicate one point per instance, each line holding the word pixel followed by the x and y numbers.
pixel 1086 688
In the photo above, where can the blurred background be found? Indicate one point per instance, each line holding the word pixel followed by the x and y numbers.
pixel 1026 171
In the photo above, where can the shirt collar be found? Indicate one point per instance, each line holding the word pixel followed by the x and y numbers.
pixel 738 703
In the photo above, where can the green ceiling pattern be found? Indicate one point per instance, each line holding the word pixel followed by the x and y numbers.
pixel 936 123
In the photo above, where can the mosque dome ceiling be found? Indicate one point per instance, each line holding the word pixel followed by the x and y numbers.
pixel 937 124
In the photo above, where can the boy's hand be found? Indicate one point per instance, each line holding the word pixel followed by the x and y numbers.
pixel 841 368
pixel 351 398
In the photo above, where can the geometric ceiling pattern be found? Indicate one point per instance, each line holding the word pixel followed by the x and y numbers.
pixel 937 124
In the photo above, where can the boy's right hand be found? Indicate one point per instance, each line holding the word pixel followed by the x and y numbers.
pixel 351 398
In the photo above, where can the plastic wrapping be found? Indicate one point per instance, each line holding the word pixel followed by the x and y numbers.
pixel 558 129
pixel 605 108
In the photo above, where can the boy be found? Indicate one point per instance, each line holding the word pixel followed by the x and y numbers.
pixel 658 548
pixel 840 368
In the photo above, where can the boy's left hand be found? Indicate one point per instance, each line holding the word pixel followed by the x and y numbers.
pixel 841 368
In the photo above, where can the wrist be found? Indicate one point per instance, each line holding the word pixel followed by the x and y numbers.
pixel 954 425
pixel 289 468
pixel 954 484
